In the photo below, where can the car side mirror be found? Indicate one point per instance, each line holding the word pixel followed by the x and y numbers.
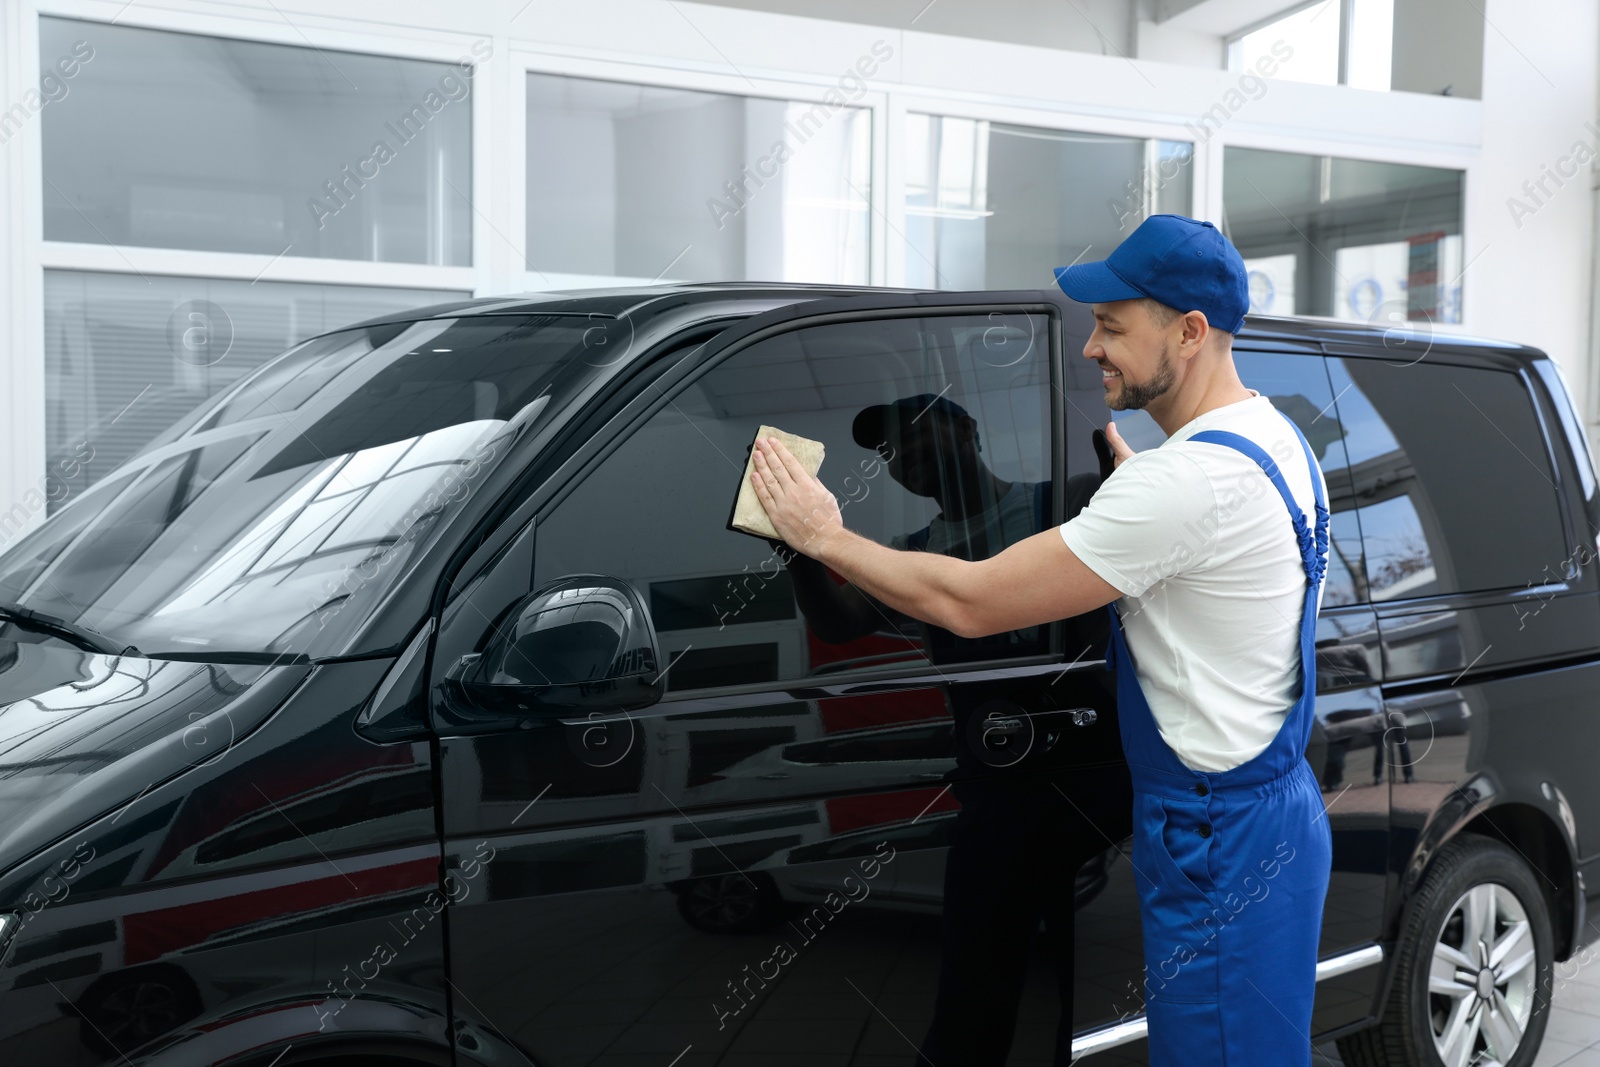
pixel 580 643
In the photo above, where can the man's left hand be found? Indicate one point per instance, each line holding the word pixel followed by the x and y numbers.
pixel 802 510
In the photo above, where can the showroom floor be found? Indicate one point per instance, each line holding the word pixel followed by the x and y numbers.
pixel 1573 1037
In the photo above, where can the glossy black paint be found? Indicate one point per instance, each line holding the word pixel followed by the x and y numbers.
pixel 224 863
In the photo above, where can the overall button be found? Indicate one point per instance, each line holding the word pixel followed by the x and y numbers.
pixel 1200 788
pixel 1205 829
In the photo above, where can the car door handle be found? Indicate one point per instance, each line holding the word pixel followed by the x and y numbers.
pixel 1010 725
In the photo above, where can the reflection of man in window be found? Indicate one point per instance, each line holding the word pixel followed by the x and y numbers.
pixel 932 447
pixel 1013 849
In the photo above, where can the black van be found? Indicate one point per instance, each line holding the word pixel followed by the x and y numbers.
pixel 411 702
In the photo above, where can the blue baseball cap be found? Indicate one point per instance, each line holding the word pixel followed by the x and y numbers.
pixel 1183 263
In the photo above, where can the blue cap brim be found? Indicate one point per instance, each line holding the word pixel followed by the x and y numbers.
pixel 1094 283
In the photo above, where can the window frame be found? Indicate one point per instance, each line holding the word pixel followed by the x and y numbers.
pixel 1406 156
pixel 796 89
pixel 443 47
pixel 640 409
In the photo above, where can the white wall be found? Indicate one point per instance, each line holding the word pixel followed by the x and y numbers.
pixel 1528 279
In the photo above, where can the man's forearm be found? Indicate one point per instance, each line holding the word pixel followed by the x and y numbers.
pixel 924 585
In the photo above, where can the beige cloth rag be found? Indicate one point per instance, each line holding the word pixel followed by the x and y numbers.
pixel 748 514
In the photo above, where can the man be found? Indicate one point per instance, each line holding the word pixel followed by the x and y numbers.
pixel 1211 639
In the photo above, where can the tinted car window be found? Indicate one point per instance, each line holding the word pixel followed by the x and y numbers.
pixel 937 438
pixel 1451 478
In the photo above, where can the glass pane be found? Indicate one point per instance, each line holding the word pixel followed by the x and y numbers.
pixel 994 206
pixel 182 141
pixel 126 356
pixel 275 527
pixel 1305 46
pixel 1423 475
pixel 966 474
pixel 634 183
pixel 1346 238
pixel 1371 44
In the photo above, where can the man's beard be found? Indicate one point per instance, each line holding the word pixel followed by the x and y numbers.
pixel 1133 397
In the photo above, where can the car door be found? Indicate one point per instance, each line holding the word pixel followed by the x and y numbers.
pixel 760 865
pixel 1485 598
pixel 1347 736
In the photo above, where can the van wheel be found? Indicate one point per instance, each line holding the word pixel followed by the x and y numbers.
pixel 731 903
pixel 1472 968
pixel 124 1010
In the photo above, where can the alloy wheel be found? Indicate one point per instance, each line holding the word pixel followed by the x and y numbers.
pixel 1481 978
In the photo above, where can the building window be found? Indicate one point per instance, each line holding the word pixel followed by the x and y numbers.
pixel 1325 42
pixel 176 140
pixel 995 206
pixel 1346 238
pixel 637 183
pixel 127 356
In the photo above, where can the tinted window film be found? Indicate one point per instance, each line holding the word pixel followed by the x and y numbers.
pixel 1451 478
pixel 937 437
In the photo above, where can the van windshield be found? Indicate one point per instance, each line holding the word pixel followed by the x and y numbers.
pixel 271 521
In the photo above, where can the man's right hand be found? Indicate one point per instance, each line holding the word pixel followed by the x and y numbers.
pixel 1119 448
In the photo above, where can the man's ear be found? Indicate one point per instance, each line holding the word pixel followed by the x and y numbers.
pixel 1196 330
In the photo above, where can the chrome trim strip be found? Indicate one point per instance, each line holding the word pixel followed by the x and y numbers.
pixel 1349 961
pixel 1109 1036
pixel 1135 1028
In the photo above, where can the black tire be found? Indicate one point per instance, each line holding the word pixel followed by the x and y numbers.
pixel 1438 918
pixel 731 903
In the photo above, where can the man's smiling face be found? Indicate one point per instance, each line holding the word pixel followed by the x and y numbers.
pixel 1133 347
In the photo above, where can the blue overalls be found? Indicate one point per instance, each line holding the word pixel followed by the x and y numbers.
pixel 1231 867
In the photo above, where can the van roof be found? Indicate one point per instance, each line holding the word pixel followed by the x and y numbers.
pixel 644 302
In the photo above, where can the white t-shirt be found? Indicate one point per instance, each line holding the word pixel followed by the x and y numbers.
pixel 1199 542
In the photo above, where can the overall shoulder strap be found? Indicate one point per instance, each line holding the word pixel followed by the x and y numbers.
pixel 1313 546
